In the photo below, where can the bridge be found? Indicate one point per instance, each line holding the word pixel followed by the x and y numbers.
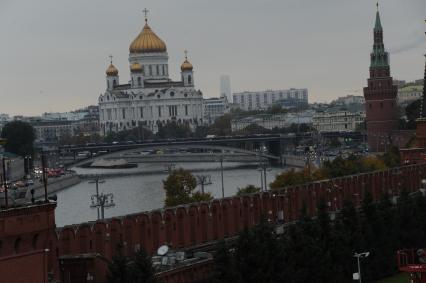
pixel 275 144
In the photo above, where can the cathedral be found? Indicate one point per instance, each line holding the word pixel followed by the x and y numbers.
pixel 150 99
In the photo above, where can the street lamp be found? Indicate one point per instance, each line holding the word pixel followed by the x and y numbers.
pixel 358 256
pixel 203 180
pixel 97 181
pixel 101 201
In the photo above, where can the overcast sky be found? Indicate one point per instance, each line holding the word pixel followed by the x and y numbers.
pixel 53 53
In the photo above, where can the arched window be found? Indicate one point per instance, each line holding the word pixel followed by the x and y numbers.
pixel 149 70
pixel 17 245
pixel 189 79
pixel 107 84
pixel 34 242
pixel 139 81
pixel 114 83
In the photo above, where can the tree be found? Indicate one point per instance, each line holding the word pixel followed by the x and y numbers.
pixel 291 178
pixel 174 130
pixel 224 265
pixel 412 111
pixel 20 138
pixel 221 126
pixel 119 270
pixel 392 158
pixel 180 188
pixel 249 189
pixel 142 269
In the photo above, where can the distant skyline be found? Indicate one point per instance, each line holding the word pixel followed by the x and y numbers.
pixel 54 53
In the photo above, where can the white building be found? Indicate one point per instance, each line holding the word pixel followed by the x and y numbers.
pixel 150 99
pixel 410 93
pixel 270 122
pixel 258 100
pixel 340 121
pixel 215 107
pixel 350 99
pixel 52 131
pixel 225 87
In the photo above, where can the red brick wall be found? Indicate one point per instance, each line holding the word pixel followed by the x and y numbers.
pixel 24 267
pixel 191 225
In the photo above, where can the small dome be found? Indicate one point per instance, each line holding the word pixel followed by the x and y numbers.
pixel 147 42
pixel 186 66
pixel 136 68
pixel 112 70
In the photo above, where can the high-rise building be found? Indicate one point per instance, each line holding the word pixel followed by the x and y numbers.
pixel 261 100
pixel 225 87
pixel 380 95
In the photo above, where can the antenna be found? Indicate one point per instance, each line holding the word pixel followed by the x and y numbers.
pixel 163 250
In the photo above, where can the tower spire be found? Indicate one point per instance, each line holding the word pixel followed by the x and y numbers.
pixel 378 25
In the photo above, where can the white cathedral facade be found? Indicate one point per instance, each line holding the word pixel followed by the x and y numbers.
pixel 150 99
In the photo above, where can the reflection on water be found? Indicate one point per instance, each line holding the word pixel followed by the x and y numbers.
pixel 138 193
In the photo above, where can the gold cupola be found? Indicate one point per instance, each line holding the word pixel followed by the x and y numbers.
pixel 136 68
pixel 147 41
pixel 112 70
pixel 186 65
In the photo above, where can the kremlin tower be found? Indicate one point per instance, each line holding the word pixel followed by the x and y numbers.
pixel 380 96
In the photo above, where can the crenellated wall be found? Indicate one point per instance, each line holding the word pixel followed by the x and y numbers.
pixel 194 224
pixel 199 223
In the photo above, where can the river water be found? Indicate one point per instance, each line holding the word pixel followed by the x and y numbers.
pixel 144 192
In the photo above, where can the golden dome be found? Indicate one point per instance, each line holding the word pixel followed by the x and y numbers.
pixel 136 68
pixel 112 70
pixel 186 66
pixel 147 42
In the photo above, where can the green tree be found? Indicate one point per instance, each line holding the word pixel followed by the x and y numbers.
pixel 20 138
pixel 119 270
pixel 224 265
pixel 221 126
pixel 174 130
pixel 392 158
pixel 142 269
pixel 249 189
pixel 412 111
pixel 180 188
pixel 291 178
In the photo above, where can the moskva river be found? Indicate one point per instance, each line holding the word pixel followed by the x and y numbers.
pixel 144 192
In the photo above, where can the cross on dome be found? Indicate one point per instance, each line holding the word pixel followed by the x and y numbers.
pixel 110 58
pixel 186 54
pixel 145 11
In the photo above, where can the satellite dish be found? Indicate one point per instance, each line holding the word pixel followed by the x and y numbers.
pixel 163 250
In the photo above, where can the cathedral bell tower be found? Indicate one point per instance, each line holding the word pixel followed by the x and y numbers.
pixel 112 76
pixel 380 95
pixel 187 72
pixel 136 71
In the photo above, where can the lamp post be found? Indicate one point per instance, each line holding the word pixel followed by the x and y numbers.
pixel 358 256
pixel 203 180
pixel 96 181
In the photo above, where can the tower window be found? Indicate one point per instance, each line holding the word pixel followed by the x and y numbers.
pixel 186 110
pixel 35 240
pixel 17 245
pixel 114 83
pixel 189 79
pixel 158 69
pixel 139 81
pixel 124 113
pixel 150 70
